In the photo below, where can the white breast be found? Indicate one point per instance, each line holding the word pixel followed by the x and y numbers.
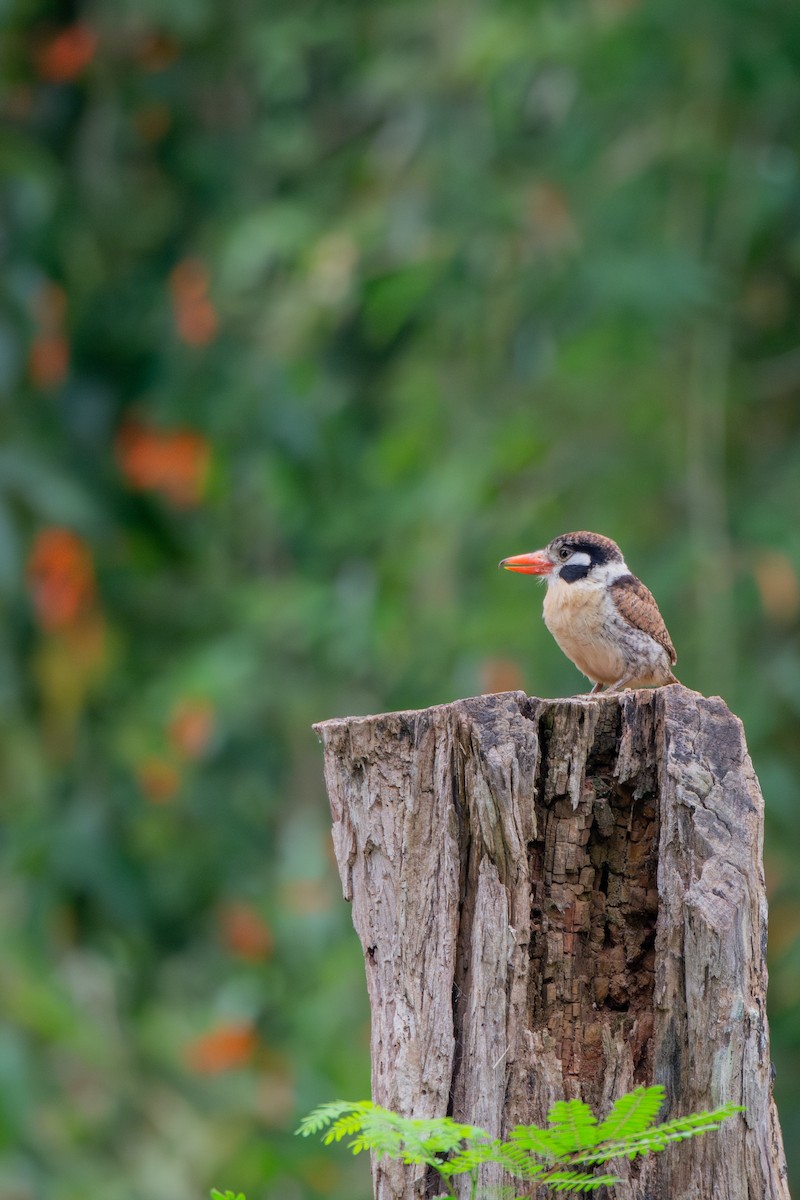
pixel 580 617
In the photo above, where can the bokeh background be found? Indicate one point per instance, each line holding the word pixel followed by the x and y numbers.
pixel 310 312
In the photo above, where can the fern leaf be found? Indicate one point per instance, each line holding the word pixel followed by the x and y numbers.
pixel 573 1125
pixel 632 1114
pixel 513 1160
pixel 381 1131
pixel 519 1162
pixel 443 1133
pixel 577 1181
pixel 658 1137
pixel 326 1113
pixel 503 1192
pixel 537 1141
pixel 345 1126
pixel 548 1157
pixel 469 1158
pixel 411 1140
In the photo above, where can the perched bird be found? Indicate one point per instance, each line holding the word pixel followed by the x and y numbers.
pixel 603 617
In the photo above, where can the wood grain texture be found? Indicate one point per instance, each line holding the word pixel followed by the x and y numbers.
pixel 563 898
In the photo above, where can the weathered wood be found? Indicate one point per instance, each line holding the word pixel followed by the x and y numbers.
pixel 563 898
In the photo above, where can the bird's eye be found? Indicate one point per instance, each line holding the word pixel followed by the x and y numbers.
pixel 564 553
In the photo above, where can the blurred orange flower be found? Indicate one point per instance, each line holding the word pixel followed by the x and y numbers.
pixel 63 56
pixel 189 280
pixel 223 1048
pixel 173 462
pixel 245 931
pixel 60 575
pixel 159 780
pixel 48 359
pixel 195 315
pixel 190 727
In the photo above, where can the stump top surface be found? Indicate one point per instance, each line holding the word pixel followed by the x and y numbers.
pixel 580 701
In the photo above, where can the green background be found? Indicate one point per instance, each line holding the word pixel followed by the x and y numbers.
pixel 424 284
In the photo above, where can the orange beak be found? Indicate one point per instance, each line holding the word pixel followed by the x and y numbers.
pixel 536 563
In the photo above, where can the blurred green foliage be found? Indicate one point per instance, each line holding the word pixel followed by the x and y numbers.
pixel 309 314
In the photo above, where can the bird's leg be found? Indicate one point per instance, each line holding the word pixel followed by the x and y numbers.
pixel 598 687
pixel 622 682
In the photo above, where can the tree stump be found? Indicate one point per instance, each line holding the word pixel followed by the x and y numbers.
pixel 563 898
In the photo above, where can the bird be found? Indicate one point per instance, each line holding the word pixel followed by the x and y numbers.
pixel 603 618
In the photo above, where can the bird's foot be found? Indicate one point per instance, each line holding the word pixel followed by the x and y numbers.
pixel 623 682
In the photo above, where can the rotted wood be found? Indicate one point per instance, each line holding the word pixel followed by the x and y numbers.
pixel 562 898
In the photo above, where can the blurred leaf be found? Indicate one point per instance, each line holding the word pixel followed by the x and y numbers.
pixel 46 490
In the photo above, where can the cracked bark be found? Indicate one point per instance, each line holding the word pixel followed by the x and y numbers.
pixel 563 898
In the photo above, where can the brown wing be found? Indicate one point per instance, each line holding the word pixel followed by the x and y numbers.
pixel 637 605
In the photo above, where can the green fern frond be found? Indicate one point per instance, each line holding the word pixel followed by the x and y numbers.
pixel 426 1137
pixel 324 1114
pixel 469 1159
pixel 550 1157
pixel 573 1126
pixel 502 1192
pixel 652 1141
pixel 517 1162
pixel 382 1131
pixel 521 1164
pixel 578 1181
pixel 631 1114
pixel 346 1125
pixel 535 1140
pixel 388 1134
pixel 441 1133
